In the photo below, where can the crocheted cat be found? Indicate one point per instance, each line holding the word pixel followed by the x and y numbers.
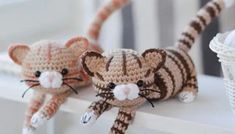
pixel 52 68
pixel 126 79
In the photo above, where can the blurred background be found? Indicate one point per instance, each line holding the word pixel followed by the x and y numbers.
pixel 140 25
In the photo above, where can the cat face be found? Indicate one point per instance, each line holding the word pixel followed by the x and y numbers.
pixel 49 66
pixel 123 77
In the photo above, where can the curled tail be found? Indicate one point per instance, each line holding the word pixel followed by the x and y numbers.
pixel 203 18
pixel 101 16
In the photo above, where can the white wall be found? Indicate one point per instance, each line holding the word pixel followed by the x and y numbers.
pixel 32 20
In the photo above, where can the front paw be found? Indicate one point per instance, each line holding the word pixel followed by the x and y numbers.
pixel 28 130
pixel 38 119
pixel 88 118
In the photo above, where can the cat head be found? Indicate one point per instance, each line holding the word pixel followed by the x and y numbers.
pixel 122 76
pixel 49 66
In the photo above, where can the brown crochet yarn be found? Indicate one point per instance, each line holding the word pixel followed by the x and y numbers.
pixel 126 79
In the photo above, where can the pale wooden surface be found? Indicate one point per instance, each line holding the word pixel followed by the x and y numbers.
pixel 210 113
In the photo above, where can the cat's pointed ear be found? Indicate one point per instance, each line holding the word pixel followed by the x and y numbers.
pixel 78 45
pixel 17 52
pixel 92 62
pixel 155 58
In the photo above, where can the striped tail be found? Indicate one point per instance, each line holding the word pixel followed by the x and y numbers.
pixel 101 16
pixel 203 18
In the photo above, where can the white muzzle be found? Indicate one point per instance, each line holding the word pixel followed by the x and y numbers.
pixel 51 79
pixel 126 91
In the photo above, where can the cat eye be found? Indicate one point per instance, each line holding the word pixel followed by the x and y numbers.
pixel 111 85
pixel 140 83
pixel 64 71
pixel 37 74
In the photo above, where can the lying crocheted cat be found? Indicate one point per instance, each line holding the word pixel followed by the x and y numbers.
pixel 126 79
pixel 49 68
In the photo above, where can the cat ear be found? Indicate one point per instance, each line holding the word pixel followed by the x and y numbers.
pixel 92 62
pixel 78 45
pixel 155 58
pixel 17 52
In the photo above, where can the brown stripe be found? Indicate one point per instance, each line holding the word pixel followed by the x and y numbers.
pixel 137 59
pixel 202 19
pixel 182 60
pixel 122 123
pixel 184 42
pixel 196 25
pixel 217 6
pixel 124 63
pixel 147 73
pixel 108 63
pixel 178 65
pixel 161 84
pixel 211 11
pixel 172 78
pixel 99 76
pixel 189 36
pixel 125 114
pixel 193 85
pixel 116 131
pixel 102 88
pixel 191 61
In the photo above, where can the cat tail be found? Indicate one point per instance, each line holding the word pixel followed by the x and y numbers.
pixel 101 16
pixel 203 18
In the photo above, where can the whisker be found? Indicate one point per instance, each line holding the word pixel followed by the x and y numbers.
pixel 141 95
pixel 78 79
pixel 28 89
pixel 152 90
pixel 74 90
pixel 29 81
pixel 100 94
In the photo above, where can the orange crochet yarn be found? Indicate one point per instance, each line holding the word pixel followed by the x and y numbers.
pixel 49 67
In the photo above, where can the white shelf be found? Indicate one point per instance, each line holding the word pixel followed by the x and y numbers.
pixel 209 114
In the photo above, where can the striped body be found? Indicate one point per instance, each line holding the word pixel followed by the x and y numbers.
pixel 173 76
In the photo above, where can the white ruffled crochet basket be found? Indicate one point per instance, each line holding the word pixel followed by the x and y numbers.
pixel 226 56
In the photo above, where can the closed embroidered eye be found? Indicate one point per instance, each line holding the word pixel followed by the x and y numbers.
pixel 37 74
pixel 64 71
pixel 111 85
pixel 140 83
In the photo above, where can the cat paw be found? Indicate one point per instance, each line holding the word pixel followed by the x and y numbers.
pixel 88 118
pixel 186 96
pixel 28 130
pixel 38 119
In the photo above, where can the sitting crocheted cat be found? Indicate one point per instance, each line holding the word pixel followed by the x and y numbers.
pixel 49 68
pixel 126 79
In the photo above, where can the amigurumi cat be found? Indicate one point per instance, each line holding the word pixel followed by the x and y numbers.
pixel 52 68
pixel 126 79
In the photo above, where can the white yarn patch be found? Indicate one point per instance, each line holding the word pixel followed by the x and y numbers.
pixel 38 119
pixel 51 79
pixel 186 96
pixel 229 3
pixel 88 118
pixel 126 91
pixel 230 39
pixel 28 130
